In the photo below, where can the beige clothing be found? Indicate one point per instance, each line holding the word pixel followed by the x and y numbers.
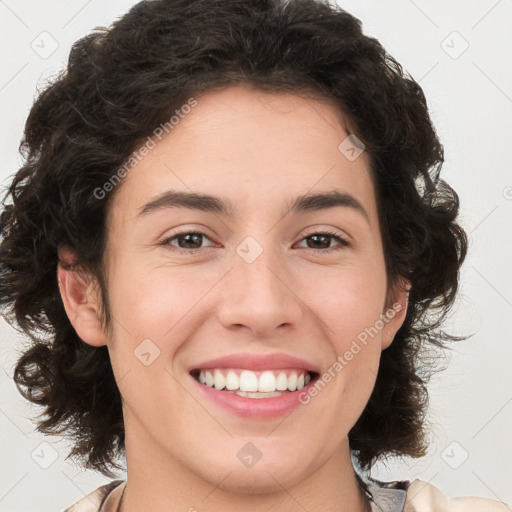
pixel 419 497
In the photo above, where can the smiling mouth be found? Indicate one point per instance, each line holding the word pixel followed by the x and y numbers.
pixel 254 384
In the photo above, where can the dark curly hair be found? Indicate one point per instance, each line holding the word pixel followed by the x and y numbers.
pixel 122 82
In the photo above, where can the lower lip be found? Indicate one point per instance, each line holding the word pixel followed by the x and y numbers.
pixel 256 408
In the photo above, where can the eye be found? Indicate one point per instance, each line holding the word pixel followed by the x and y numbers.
pixel 322 241
pixel 187 241
pixel 191 241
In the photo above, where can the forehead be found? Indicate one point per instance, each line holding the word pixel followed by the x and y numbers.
pixel 252 147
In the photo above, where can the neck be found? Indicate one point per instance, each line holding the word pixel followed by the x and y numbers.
pixel 159 482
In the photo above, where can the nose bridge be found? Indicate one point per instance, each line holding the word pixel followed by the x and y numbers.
pixel 259 274
pixel 258 294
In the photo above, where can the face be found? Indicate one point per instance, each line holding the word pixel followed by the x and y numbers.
pixel 268 281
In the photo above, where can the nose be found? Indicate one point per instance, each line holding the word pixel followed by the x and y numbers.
pixel 258 297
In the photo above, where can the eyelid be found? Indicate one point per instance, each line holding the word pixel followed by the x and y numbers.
pixel 166 241
pixel 344 241
pixel 327 230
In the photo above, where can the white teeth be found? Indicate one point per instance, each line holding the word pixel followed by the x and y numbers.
pixel 220 381
pixel 232 381
pixel 292 382
pixel 249 383
pixel 282 382
pixel 267 382
pixel 257 395
pixel 209 379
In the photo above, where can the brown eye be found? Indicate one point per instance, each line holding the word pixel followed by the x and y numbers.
pixel 190 241
pixel 322 241
pixel 319 241
pixel 187 241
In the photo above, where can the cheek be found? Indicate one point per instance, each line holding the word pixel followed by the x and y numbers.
pixel 152 301
pixel 150 318
pixel 349 302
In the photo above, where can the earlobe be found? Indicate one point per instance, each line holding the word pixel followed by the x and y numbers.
pixel 395 312
pixel 81 300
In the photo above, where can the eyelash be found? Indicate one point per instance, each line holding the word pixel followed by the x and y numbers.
pixel 166 242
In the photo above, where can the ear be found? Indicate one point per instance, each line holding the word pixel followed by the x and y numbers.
pixel 395 312
pixel 82 301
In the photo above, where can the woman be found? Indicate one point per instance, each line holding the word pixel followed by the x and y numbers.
pixel 230 224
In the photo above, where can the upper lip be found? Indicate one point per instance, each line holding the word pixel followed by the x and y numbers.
pixel 257 362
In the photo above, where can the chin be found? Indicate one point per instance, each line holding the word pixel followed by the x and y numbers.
pixel 264 476
pixel 252 481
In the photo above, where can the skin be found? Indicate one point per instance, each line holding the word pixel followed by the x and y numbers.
pixel 259 151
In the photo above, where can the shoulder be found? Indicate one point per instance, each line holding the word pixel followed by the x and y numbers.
pixel 93 501
pixel 421 496
pixel 425 497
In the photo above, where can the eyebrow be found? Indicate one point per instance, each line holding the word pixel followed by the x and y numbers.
pixel 211 204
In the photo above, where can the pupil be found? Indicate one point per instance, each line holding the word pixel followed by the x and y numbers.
pixel 316 238
pixel 188 240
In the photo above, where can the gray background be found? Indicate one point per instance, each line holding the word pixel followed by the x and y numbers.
pixel 461 53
